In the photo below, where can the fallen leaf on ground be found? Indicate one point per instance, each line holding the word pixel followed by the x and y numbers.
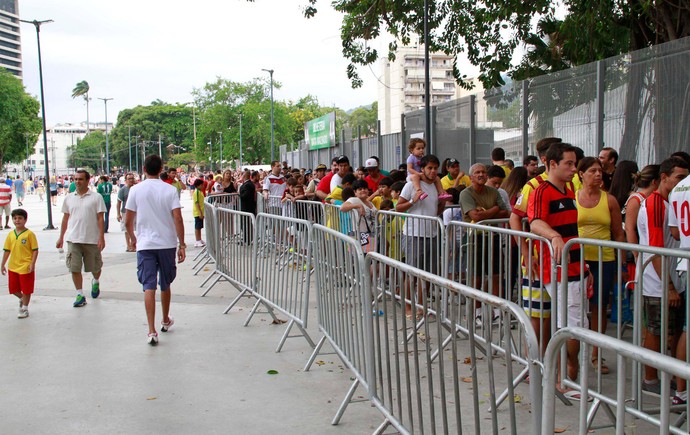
pixel 151 398
pixel 518 398
pixel 468 380
pixel 278 321
pixel 468 360
pixel 272 372
pixel 560 429
pixel 320 363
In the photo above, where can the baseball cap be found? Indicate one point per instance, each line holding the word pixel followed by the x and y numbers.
pixel 371 163
pixel 343 159
pixel 321 167
pixel 307 172
pixel 453 162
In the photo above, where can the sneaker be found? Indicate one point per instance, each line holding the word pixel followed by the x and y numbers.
pixel 152 338
pixel 198 244
pixel 165 327
pixel 23 313
pixel 79 302
pixel 677 400
pixel 651 389
pixel 202 243
pixel 95 289
pixel 478 322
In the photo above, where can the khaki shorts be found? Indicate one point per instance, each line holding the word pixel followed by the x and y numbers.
pixel 83 253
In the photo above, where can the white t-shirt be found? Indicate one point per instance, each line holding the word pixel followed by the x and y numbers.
pixel 336 181
pixel 424 207
pixel 654 232
pixel 505 197
pixel 83 210
pixel 679 215
pixel 453 214
pixel 369 215
pixel 154 200
pixel 275 185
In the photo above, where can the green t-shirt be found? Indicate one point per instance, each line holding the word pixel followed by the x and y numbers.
pixel 105 189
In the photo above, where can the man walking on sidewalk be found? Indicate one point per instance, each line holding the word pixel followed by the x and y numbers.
pixel 154 207
pixel 82 216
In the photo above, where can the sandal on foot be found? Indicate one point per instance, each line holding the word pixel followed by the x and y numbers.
pixel 604 368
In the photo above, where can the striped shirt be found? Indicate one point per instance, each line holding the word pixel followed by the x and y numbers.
pixel 5 194
pixel 559 210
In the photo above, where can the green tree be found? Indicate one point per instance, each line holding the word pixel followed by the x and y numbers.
pixel 19 120
pixel 88 152
pixel 169 123
pixel 366 117
pixel 82 90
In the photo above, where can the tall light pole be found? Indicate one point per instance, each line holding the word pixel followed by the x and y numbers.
pixel 210 159
pixel 136 153
pixel 427 92
pixel 107 143
pixel 129 140
pixel 221 149
pixel 270 72
pixel 37 24
pixel 240 140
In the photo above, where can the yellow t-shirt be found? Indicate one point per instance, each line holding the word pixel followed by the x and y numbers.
pixel 447 182
pixel 21 248
pixel 520 207
pixel 506 169
pixel 336 194
pixel 197 203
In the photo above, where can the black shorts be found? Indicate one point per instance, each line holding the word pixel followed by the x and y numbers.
pixel 198 223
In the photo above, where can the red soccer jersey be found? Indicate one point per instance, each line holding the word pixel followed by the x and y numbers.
pixel 559 210
pixel 325 183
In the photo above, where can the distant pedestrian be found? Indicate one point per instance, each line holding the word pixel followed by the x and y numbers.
pixel 198 213
pixel 5 200
pixel 154 208
pixel 83 229
pixel 122 195
pixel 105 189
pixel 19 190
pixel 21 248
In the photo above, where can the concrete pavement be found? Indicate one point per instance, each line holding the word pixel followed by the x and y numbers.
pixel 89 370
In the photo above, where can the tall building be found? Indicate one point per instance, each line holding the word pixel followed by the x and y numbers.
pixel 401 87
pixel 10 40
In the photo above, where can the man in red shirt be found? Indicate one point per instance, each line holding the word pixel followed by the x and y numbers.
pixel 372 167
pixel 324 186
pixel 552 213
pixel 5 199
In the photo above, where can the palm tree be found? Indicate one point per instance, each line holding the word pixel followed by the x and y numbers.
pixel 82 90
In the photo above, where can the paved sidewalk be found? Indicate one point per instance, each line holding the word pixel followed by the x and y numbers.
pixel 89 370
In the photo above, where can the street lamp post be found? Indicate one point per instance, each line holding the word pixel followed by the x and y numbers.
pixel 210 144
pixel 427 92
pixel 129 140
pixel 136 153
pixel 221 149
pixel 37 24
pixel 240 140
pixel 107 143
pixel 270 72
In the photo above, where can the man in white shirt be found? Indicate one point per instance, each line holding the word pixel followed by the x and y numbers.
pixel 154 207
pixel 274 188
pixel 83 220
pixel 679 224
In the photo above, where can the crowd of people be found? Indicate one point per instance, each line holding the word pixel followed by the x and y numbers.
pixel 560 192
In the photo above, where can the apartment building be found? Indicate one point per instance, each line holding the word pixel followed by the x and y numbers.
pixel 10 39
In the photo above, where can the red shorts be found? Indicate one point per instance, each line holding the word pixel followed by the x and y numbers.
pixel 23 282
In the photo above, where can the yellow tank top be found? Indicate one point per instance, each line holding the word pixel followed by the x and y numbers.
pixel 595 223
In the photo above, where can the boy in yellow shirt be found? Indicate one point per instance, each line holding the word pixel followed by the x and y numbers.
pixel 21 248
pixel 198 212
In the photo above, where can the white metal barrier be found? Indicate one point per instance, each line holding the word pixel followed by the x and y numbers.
pixel 282 253
pixel 426 372
pixel 344 306
pixel 625 353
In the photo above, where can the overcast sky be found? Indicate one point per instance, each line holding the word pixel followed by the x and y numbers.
pixel 136 51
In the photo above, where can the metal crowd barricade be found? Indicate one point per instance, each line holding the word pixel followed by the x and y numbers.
pixel 224 200
pixel 273 205
pixel 209 253
pixel 625 352
pixel 234 246
pixel 467 260
pixel 283 267
pixel 424 370
pixel 342 222
pixel 669 258
pixel 312 211
pixel 414 239
pixel 344 306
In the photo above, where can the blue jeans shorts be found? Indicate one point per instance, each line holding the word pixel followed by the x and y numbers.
pixel 156 263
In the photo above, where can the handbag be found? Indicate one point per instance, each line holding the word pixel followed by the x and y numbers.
pixel 365 237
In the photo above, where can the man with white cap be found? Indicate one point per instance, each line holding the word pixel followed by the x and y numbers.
pixel 375 176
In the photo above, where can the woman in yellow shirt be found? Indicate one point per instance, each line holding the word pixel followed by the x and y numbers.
pixel 598 217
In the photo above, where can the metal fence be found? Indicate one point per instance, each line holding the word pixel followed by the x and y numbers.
pixel 636 103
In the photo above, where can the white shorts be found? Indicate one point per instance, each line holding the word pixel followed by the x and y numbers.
pixel 576 312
